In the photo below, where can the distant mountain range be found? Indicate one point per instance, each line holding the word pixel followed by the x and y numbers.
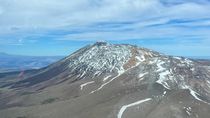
pixel 109 81
pixel 10 62
pixel 199 57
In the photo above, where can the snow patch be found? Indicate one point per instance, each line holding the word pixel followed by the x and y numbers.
pixel 192 69
pixel 163 73
pixel 106 78
pixel 189 62
pixel 106 83
pixel 142 74
pixel 160 67
pixel 208 83
pixel 188 110
pixel 85 84
pixel 141 58
pixel 195 95
pixel 164 92
pixel 83 74
pixel 123 108
pixel 120 72
pixel 162 79
pixel 179 58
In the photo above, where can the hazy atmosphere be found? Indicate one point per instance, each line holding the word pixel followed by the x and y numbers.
pixel 59 27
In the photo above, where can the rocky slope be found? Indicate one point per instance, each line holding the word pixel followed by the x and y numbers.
pixel 111 81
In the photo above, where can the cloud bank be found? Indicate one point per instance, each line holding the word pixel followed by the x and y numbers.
pixel 28 21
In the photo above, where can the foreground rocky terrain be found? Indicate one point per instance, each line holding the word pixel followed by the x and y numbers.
pixel 109 81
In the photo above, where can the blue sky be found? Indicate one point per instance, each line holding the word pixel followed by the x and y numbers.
pixel 59 27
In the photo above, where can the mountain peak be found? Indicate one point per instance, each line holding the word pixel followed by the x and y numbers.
pixel 100 57
pixel 103 58
pixel 101 43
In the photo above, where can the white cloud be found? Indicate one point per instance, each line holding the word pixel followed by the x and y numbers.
pixel 32 21
pixel 1 10
pixel 58 13
pixel 38 17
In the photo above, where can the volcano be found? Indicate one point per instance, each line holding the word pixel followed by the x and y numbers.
pixel 105 80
